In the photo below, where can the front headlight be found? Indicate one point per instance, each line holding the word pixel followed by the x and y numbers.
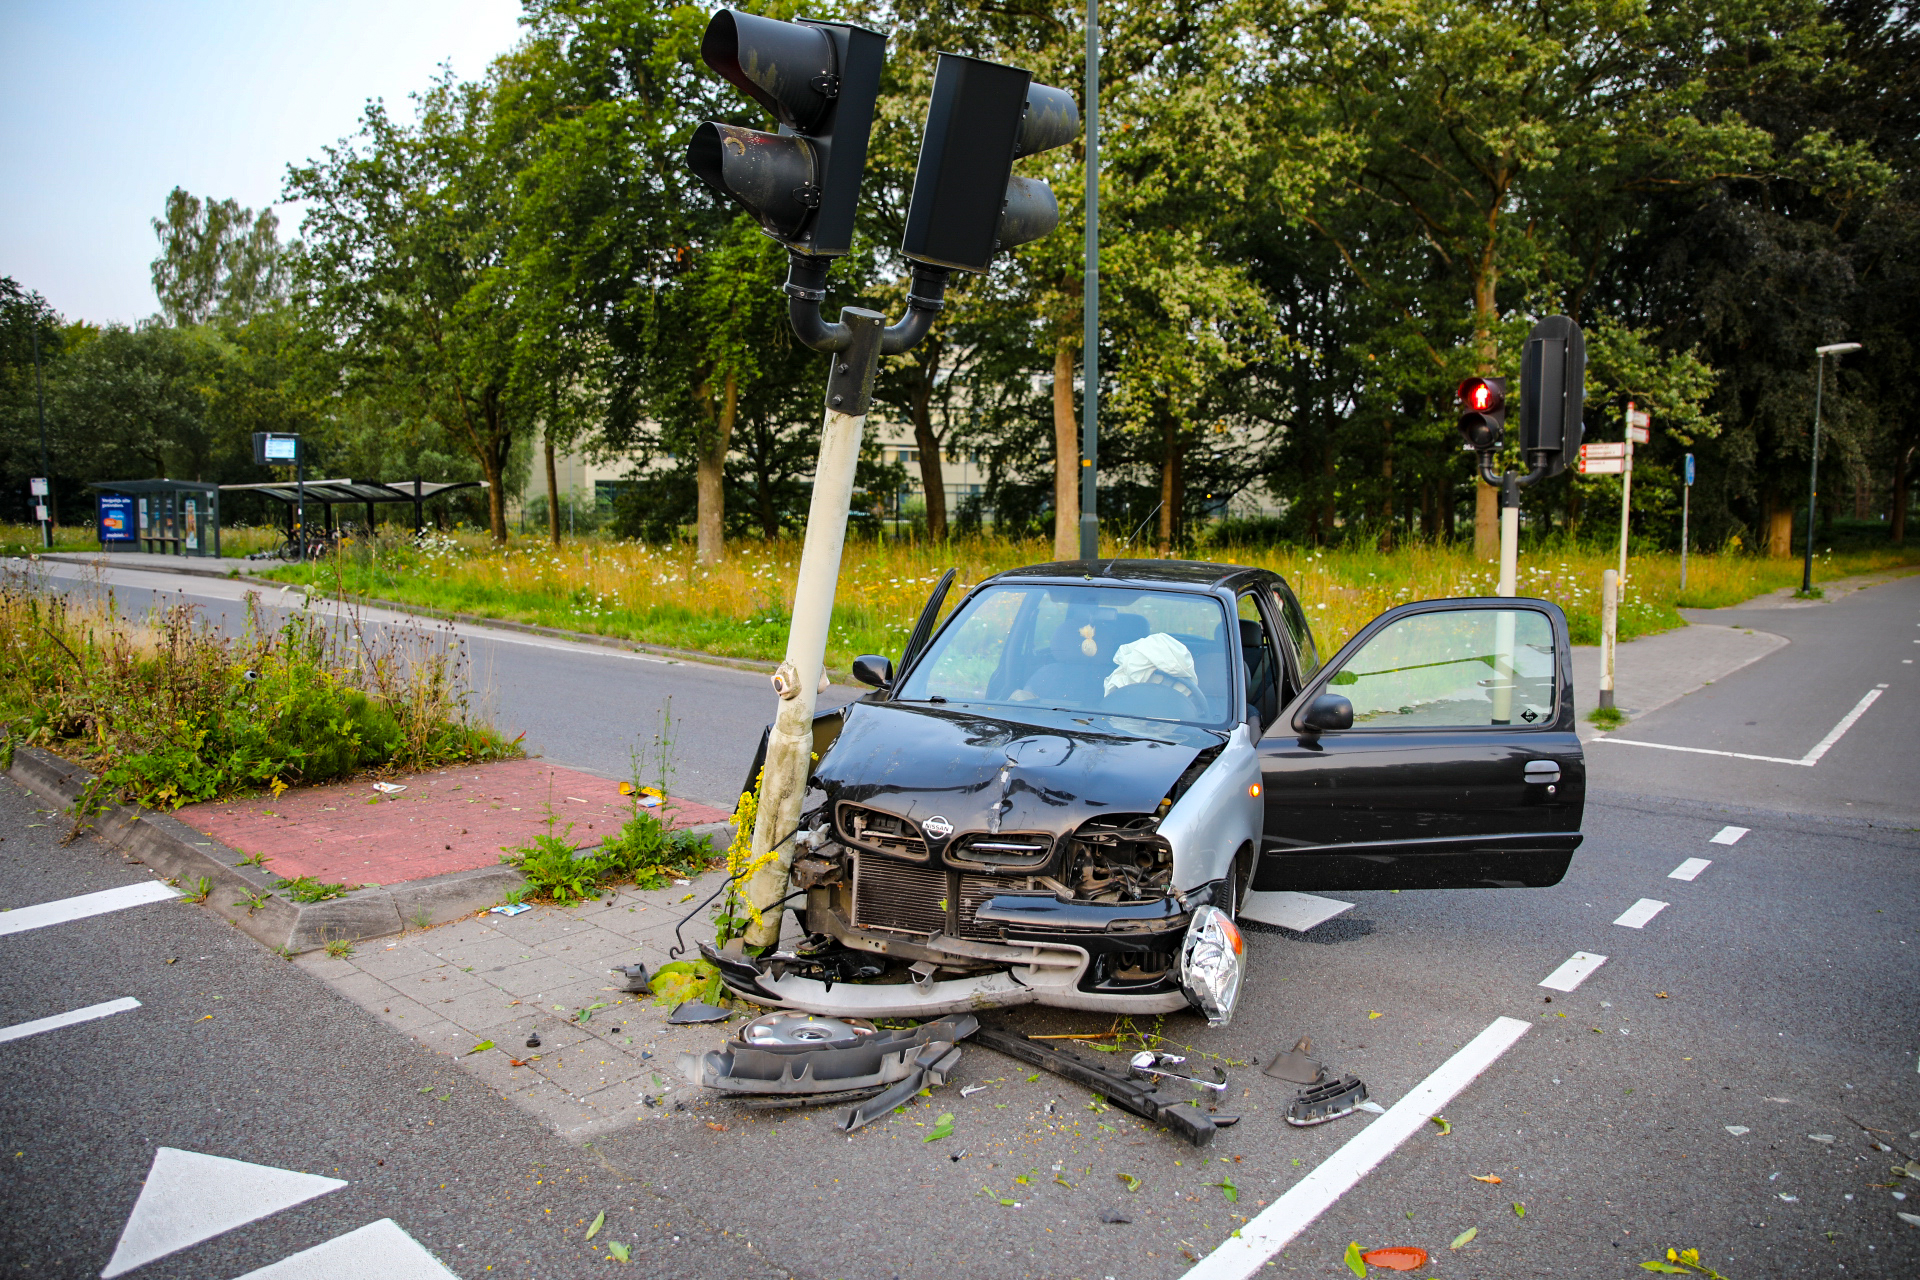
pixel 1213 963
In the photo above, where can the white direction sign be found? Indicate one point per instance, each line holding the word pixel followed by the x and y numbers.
pixel 1602 466
pixel 1603 450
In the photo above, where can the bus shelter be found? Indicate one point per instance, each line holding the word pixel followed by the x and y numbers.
pixel 168 517
pixel 364 493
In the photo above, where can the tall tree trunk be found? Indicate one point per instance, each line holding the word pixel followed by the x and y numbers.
pixel 553 491
pixel 493 461
pixel 710 475
pixel 1779 526
pixel 1486 499
pixel 1386 506
pixel 1329 471
pixel 1066 455
pixel 1169 466
pixel 932 475
pixel 1897 521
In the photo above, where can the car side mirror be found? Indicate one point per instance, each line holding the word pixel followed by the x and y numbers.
pixel 872 669
pixel 1328 711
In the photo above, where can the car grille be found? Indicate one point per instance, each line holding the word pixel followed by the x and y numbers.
pixel 902 898
pixel 882 832
pixel 1020 849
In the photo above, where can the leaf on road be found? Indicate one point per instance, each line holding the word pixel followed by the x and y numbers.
pixel 1445 1126
pixel 942 1128
pixel 1465 1238
pixel 1227 1189
pixel 1659 995
pixel 482 1047
pixel 618 1251
pixel 1133 1183
pixel 1403 1257
pixel 1519 1210
pixel 599 1220
pixel 1372 1014
pixel 1491 1179
pixel 1354 1263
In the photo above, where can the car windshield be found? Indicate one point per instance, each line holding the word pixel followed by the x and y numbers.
pixel 1158 655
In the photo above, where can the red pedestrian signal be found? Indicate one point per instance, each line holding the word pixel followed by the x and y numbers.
pixel 1483 417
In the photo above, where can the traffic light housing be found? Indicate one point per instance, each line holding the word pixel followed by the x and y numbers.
pixel 820 81
pixel 966 204
pixel 1553 393
pixel 1483 413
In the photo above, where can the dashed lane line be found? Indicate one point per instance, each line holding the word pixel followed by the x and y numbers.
pixel 20 919
pixel 21 1030
pixel 1809 760
pixel 1578 968
pixel 1245 1252
pixel 1689 869
pixel 1637 915
pixel 1728 835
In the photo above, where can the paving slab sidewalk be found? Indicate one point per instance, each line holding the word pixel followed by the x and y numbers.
pixel 455 819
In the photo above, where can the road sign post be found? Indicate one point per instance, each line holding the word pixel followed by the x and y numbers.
pixel 1609 627
pixel 1686 503
pixel 1639 423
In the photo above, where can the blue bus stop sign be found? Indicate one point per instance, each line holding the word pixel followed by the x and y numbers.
pixel 1689 468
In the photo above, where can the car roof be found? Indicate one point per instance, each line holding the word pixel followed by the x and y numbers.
pixel 1191 574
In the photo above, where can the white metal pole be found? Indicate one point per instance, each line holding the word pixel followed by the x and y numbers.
pixel 1626 490
pixel 1509 551
pixel 1609 626
pixel 1686 502
pixel 790 744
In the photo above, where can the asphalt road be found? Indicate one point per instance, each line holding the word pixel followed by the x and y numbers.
pixel 1773 993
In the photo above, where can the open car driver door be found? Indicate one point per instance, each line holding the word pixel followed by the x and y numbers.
pixel 1435 751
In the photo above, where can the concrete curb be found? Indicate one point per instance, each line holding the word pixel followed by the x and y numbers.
pixel 181 854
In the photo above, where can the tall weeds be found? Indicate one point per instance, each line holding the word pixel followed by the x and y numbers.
pixel 169 711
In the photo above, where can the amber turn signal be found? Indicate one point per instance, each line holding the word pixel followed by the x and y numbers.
pixel 1254 791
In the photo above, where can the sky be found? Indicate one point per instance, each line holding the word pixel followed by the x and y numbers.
pixel 109 106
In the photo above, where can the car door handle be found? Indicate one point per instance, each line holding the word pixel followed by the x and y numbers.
pixel 1543 771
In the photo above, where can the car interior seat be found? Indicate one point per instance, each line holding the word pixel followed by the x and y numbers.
pixel 1074 677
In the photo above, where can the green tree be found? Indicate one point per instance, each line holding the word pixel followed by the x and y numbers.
pixel 217 261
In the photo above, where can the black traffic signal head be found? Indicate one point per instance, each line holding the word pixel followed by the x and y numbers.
pixel 1553 393
pixel 966 203
pixel 1483 413
pixel 820 80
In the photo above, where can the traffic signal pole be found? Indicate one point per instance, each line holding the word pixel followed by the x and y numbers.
pixel 1090 306
pixel 821 82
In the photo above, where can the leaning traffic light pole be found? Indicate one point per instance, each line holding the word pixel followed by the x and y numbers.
pixel 820 81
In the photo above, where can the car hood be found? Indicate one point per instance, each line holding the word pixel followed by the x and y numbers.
pixel 917 760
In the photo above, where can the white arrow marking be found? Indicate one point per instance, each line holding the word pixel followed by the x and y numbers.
pixel 190 1197
pixel 378 1249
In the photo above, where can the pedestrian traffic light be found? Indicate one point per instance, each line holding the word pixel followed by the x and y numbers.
pixel 966 204
pixel 1553 393
pixel 820 81
pixel 1483 413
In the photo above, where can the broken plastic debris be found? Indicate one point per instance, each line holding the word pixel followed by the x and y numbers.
pixel 1912 1220
pixel 1113 1216
pixel 1213 965
pixel 972 1089
pixel 1296 1066
pixel 635 974
pixel 693 1012
pixel 389 788
pixel 510 908
pixel 1396 1258
pixel 1738 1130
pixel 1821 1137
pixel 1324 1102
pixel 1373 1107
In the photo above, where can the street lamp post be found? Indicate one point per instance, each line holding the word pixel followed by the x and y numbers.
pixel 1820 354
pixel 1090 341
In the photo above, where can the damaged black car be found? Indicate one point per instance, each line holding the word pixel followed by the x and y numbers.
pixel 1069 792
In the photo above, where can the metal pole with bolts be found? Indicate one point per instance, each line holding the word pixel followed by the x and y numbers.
pixel 1090 341
pixel 1820 354
pixel 1686 507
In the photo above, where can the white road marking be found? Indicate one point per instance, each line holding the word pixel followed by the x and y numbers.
pixel 20 919
pixel 1244 1253
pixel 190 1197
pixel 1808 760
pixel 1578 968
pixel 1728 835
pixel 1637 915
pixel 1290 910
pixel 378 1249
pixel 21 1030
pixel 1689 869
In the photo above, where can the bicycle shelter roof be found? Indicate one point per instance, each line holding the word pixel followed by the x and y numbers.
pixel 330 492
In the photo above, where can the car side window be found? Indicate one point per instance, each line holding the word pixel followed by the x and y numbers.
pixel 1453 668
pixel 1262 657
pixel 1295 620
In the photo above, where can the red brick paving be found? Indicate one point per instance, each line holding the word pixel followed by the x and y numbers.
pixel 449 820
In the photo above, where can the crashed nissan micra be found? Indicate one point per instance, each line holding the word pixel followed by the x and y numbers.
pixel 1068 792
